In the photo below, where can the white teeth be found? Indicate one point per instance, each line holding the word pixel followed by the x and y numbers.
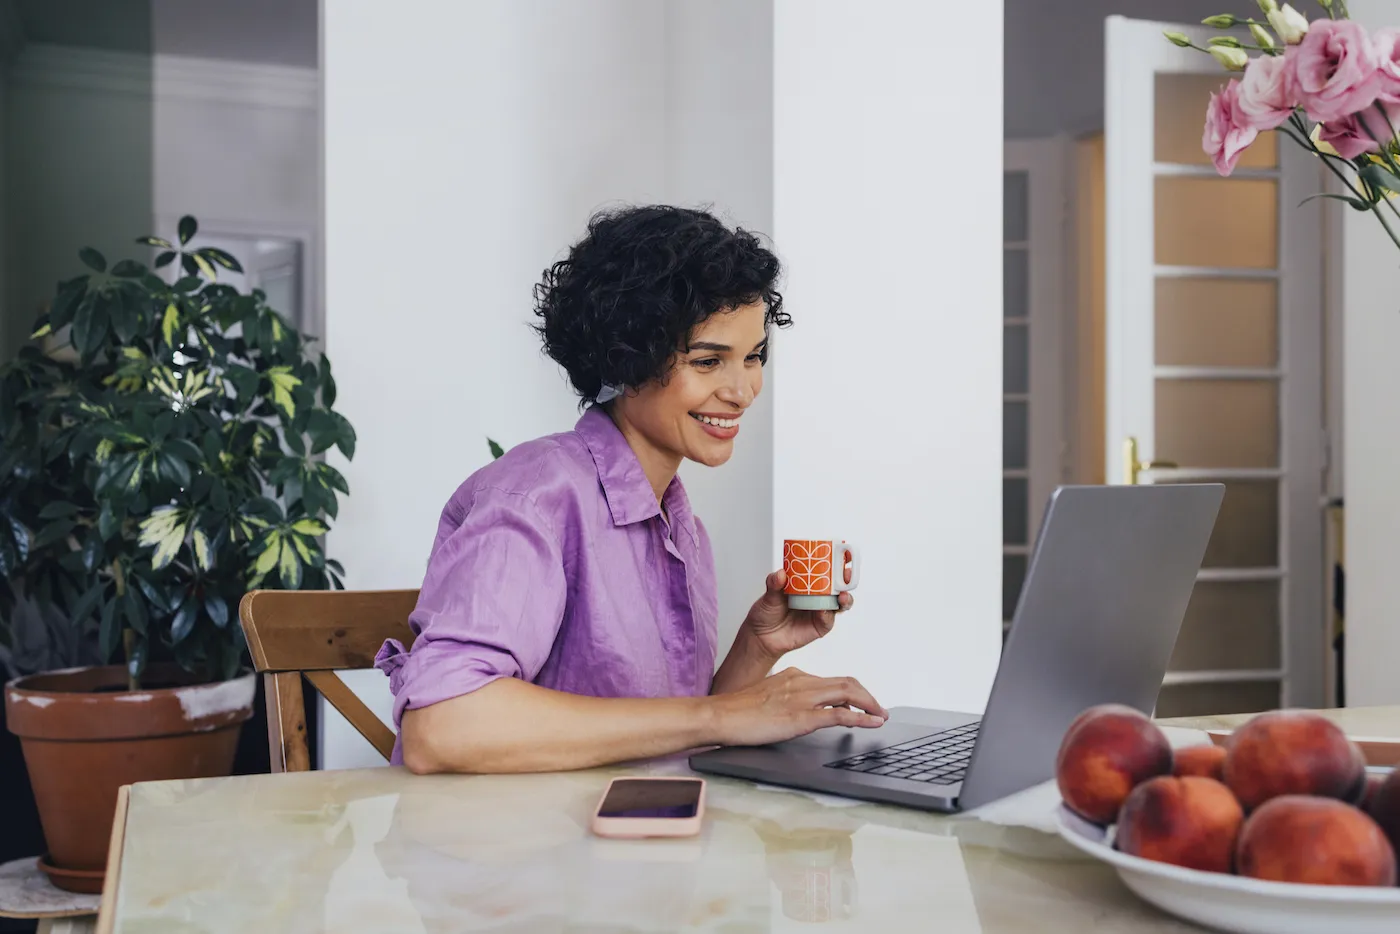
pixel 717 422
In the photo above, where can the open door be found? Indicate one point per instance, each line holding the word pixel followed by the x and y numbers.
pixel 1213 362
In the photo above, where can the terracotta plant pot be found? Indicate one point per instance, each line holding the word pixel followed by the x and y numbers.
pixel 84 736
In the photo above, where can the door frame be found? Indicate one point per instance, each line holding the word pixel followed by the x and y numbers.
pixel 1130 275
pixel 1047 162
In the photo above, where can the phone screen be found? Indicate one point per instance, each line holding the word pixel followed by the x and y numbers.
pixel 644 797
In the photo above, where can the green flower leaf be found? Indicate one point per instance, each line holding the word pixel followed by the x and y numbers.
pixel 188 227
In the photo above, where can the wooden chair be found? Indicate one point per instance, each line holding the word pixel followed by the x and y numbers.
pixel 315 633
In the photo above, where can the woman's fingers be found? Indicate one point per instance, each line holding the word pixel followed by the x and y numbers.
pixel 776 581
pixel 831 692
pixel 845 601
pixel 844 716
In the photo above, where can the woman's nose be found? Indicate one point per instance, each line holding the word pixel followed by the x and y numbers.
pixel 740 392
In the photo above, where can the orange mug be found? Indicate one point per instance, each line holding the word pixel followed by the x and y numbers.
pixel 815 572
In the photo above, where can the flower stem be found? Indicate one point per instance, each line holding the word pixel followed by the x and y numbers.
pixel 1372 206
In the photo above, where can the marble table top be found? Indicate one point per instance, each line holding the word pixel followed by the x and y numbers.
pixel 381 851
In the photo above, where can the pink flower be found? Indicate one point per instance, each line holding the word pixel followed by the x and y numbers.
pixel 1347 136
pixel 1357 134
pixel 1387 44
pixel 1225 136
pixel 1336 70
pixel 1267 96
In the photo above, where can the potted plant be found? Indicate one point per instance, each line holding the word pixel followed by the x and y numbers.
pixel 159 457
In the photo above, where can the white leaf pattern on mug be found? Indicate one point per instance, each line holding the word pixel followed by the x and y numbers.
pixel 808 566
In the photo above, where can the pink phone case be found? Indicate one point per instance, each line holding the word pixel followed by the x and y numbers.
pixel 635 827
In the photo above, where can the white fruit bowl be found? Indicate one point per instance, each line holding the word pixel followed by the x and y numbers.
pixel 1236 903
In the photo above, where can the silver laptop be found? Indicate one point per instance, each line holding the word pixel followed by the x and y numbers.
pixel 1111 574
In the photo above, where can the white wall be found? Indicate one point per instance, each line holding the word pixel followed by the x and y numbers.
pixel 1371 465
pixel 887 396
pixel 719 151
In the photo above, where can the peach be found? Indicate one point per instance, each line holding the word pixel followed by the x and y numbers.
pixel 1108 751
pixel 1366 794
pixel 1384 806
pixel 1316 841
pixel 1292 752
pixel 1205 761
pixel 1189 821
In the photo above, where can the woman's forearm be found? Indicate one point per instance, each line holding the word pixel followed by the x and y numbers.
pixel 514 726
pixel 746 664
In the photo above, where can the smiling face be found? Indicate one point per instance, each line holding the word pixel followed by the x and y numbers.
pixel 695 413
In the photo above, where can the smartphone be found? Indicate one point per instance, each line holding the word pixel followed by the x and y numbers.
pixel 671 806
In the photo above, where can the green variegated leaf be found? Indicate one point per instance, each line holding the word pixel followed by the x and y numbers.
pixel 202 554
pixel 206 267
pixel 187 228
pixel 267 560
pixel 289 567
pixel 310 527
pixel 169 323
pixel 164 530
pixel 303 549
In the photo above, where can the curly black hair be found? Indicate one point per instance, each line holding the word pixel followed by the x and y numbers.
pixel 628 296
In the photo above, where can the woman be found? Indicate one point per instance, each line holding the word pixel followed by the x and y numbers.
pixel 568 617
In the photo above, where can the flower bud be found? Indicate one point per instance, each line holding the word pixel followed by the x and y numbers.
pixel 1290 25
pixel 1228 42
pixel 1178 39
pixel 1232 59
pixel 1220 21
pixel 1261 36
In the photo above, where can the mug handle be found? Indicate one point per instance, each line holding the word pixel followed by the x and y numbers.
pixel 840 576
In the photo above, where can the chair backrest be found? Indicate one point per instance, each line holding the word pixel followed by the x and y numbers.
pixel 314 633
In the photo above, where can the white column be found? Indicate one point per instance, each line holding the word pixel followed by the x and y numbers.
pixel 1371 465
pixel 887 211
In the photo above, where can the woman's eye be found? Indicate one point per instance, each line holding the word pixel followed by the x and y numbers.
pixel 754 358
pixel 709 364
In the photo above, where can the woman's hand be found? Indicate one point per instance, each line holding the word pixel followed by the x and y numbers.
pixel 779 629
pixel 792 703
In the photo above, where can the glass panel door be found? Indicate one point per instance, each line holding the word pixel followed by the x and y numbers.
pixel 1213 317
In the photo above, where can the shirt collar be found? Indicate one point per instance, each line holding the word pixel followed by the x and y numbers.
pixel 625 485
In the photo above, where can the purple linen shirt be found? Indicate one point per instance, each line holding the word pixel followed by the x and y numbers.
pixel 555 565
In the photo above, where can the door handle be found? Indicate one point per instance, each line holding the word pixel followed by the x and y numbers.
pixel 1133 465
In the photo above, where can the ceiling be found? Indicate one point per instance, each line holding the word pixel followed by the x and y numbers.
pixel 276 32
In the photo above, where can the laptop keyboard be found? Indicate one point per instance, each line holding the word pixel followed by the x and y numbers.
pixel 940 759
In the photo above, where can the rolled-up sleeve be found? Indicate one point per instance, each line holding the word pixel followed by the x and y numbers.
pixel 490 607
